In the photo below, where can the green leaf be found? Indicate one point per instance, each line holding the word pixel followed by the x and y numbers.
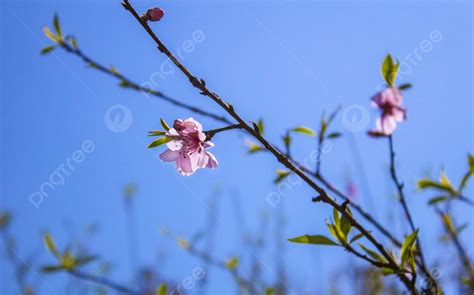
pixel 50 245
pixel 68 261
pixel 51 35
pixel 156 133
pixel 448 222
pixel 464 180
pixel 437 200
pixel 232 263
pixel 405 86
pixel 345 226
pixel 373 254
pixel 56 25
pixel 304 130
pixel 287 139
pixel 337 218
pixel 51 268
pixel 316 240
pixel 164 125
pixel 407 246
pixel 336 232
pixel 162 290
pixel 270 291
pixel 114 70
pixel 334 135
pixel 74 43
pixel 47 49
pixel 260 126
pixel 356 237
pixel 253 148
pixel 123 83
pixel 281 174
pixel 389 70
pixel 159 141
pixel 426 183
pixel 470 159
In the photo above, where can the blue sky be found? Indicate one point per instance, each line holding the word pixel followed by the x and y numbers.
pixel 286 62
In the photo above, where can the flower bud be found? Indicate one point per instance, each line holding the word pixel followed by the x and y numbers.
pixel 154 14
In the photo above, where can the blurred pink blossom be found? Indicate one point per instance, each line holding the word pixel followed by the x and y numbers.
pixel 389 102
pixel 188 147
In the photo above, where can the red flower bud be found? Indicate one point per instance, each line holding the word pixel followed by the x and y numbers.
pixel 154 14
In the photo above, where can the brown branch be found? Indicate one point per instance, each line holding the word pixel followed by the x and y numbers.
pixel 210 133
pixel 201 85
pixel 130 84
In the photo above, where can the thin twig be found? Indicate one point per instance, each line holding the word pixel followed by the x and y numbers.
pixel 103 281
pixel 210 133
pixel 404 204
pixel 130 84
pixel 201 85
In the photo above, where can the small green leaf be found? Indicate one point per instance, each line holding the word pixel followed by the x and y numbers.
pixel 159 141
pixel 51 268
pixel 428 183
pixel 316 240
pixel 232 263
pixel 47 49
pixel 373 254
pixel 281 174
pixel 164 125
pixel 304 130
pixel 51 35
pixel 356 238
pixel 470 159
pixel 56 24
pixel 68 261
pixel 162 290
pixel 260 126
pixel 156 133
pixel 287 139
pixel 334 135
pixel 437 200
pixel 123 83
pixel 345 226
pixel 448 222
pixel 114 70
pixel 405 86
pixel 74 42
pixel 389 70
pixel 50 245
pixel 270 291
pixel 337 218
pixel 253 148
pixel 407 246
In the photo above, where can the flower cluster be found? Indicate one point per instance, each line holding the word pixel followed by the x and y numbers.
pixel 188 147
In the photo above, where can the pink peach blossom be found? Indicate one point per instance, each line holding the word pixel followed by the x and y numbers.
pixel 188 147
pixel 389 102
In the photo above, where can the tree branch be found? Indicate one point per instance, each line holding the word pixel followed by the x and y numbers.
pixel 201 85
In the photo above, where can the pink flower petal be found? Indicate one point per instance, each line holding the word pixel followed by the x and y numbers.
pixel 169 155
pixel 212 163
